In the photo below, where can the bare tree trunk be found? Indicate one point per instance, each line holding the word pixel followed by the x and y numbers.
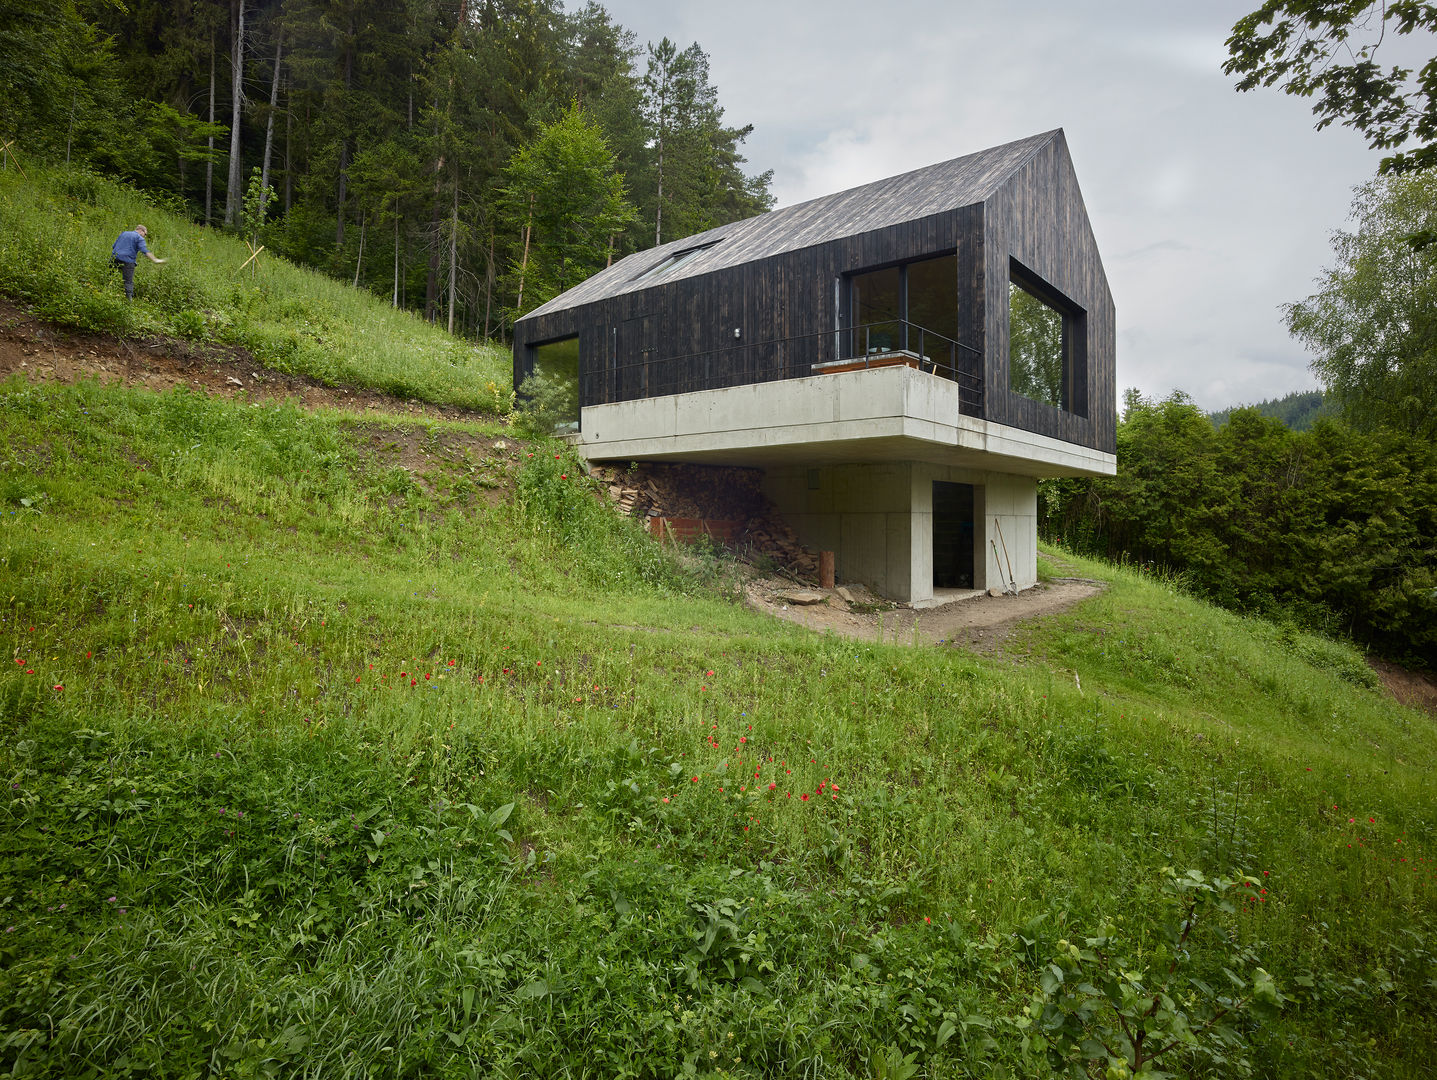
pixel 489 283
pixel 396 260
pixel 659 216
pixel 344 144
pixel 359 261
pixel 288 172
pixel 524 262
pixel 236 181
pixel 269 127
pixel 210 142
pixel 453 254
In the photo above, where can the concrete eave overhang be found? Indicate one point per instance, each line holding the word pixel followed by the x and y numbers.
pixel 883 414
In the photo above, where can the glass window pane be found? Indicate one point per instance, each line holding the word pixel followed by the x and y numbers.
pixel 933 309
pixel 553 388
pixel 1035 347
pixel 876 312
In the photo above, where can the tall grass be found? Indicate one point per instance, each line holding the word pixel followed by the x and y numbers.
pixel 318 766
pixel 55 254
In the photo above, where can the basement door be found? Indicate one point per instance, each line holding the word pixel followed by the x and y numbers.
pixel 952 535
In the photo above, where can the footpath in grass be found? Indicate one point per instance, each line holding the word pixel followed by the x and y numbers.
pixel 319 764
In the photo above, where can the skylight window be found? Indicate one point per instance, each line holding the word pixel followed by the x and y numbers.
pixel 669 263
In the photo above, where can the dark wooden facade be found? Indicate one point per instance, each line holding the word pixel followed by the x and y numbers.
pixel 777 281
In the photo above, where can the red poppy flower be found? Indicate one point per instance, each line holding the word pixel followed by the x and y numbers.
pixel 696 779
pixel 804 796
pixel 772 786
pixel 58 686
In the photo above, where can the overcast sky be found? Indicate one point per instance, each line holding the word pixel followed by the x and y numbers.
pixel 1211 208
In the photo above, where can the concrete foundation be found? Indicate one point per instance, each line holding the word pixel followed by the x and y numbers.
pixel 850 461
pixel 878 519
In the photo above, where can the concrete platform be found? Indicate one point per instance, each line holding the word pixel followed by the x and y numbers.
pixel 876 415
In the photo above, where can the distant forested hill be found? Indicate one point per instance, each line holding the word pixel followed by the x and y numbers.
pixel 406 146
pixel 1297 410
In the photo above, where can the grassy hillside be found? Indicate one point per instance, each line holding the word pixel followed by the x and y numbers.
pixel 321 764
pixel 55 254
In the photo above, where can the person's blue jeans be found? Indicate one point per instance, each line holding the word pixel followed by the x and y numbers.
pixel 127 271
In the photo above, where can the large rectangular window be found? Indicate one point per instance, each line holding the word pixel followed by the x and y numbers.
pixel 552 389
pixel 912 307
pixel 1045 344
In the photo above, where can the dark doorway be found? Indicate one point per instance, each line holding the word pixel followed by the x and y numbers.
pixel 952 535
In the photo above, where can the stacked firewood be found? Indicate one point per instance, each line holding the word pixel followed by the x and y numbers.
pixel 710 493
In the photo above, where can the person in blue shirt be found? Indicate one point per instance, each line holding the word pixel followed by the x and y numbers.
pixel 127 251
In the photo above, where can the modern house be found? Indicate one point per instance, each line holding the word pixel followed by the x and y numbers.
pixel 904 360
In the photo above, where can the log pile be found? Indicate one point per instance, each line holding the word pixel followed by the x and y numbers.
pixel 719 494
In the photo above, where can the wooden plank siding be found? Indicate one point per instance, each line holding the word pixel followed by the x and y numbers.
pixel 1038 218
pixel 638 340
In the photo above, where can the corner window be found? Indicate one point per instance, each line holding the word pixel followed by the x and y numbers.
pixel 551 392
pixel 1045 336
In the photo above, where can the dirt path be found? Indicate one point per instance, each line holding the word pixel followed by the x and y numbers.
pixel 981 623
pixel 42 352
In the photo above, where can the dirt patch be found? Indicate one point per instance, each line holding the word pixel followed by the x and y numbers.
pixel 1414 688
pixel 40 351
pixel 978 622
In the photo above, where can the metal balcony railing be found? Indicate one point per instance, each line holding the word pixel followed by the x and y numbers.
pixel 878 344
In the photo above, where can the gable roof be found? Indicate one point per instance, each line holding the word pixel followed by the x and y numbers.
pixel 892 201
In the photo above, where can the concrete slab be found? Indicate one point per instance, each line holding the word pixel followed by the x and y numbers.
pixel 893 414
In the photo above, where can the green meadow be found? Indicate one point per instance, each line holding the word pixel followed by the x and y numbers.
pixel 319 763
pixel 359 747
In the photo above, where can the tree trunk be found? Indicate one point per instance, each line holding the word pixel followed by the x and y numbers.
pixel 489 283
pixel 210 142
pixel 236 180
pixel 269 127
pixel 288 172
pixel 524 262
pixel 344 148
pixel 659 215
pixel 396 260
pixel 453 254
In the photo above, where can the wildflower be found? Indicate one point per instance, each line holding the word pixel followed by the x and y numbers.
pixel 772 786
pixel 696 779
pixel 61 686
pixel 666 798
pixel 804 796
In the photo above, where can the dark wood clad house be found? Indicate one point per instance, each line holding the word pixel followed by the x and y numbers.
pixel 936 339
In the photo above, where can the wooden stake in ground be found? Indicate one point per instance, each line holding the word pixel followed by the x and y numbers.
pixel 1012 585
pixel 253 258
pixel 7 155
